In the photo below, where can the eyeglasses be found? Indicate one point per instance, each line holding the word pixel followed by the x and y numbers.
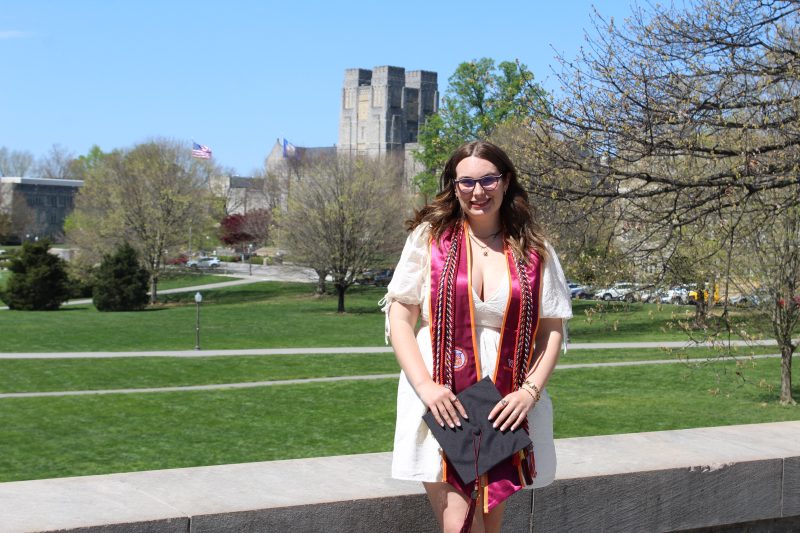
pixel 488 183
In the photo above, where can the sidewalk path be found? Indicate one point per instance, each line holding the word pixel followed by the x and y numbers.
pixel 342 350
pixel 253 384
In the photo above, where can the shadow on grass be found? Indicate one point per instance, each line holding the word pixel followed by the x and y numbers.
pixel 772 393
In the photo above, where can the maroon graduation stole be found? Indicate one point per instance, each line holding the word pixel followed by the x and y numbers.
pixel 456 361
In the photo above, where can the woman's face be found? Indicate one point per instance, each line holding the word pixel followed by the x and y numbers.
pixel 479 203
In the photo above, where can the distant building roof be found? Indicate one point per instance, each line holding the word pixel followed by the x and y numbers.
pixel 42 181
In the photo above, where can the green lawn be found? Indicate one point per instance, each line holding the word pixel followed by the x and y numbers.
pixel 81 435
pixel 29 375
pixel 259 315
pixel 66 436
pixel 273 314
pixel 596 321
pixel 44 375
pixel 178 280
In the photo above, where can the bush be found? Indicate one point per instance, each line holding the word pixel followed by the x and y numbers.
pixel 230 258
pixel 121 282
pixel 79 287
pixel 256 260
pixel 38 280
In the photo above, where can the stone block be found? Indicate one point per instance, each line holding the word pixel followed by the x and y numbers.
pixel 791 486
pixel 519 508
pixel 176 525
pixel 382 515
pixel 665 500
pixel 91 503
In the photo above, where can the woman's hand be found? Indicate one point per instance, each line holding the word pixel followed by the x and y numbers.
pixel 442 402
pixel 512 410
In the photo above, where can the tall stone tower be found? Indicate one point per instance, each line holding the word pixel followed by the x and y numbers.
pixel 383 108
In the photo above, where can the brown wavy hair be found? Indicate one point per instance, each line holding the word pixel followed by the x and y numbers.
pixel 517 220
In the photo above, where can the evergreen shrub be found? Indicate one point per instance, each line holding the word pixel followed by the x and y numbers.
pixel 38 280
pixel 121 282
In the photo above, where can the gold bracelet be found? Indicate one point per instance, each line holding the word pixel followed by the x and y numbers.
pixel 535 389
pixel 529 392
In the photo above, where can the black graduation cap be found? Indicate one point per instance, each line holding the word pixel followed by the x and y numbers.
pixel 460 443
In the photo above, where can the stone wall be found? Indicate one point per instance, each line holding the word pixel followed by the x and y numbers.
pixel 734 478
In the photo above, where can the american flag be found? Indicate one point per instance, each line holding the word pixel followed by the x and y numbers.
pixel 200 151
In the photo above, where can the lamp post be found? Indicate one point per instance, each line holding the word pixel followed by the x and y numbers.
pixel 249 259
pixel 197 299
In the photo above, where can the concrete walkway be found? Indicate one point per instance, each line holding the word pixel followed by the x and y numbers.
pixel 341 350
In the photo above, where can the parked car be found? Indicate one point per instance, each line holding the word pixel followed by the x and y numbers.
pixel 204 262
pixel 579 291
pixel 744 300
pixel 618 291
pixel 383 277
pixel 380 278
pixel 652 294
pixel 180 260
pixel 676 295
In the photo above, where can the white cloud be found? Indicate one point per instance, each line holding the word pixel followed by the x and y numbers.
pixel 13 34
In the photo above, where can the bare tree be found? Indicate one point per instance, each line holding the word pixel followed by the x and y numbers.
pixel 16 163
pixel 344 216
pixel 767 269
pixel 585 232
pixel 57 164
pixel 148 196
pixel 681 120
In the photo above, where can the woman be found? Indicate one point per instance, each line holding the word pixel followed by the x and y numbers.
pixel 492 299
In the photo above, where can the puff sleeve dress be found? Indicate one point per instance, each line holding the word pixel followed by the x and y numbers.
pixel 416 452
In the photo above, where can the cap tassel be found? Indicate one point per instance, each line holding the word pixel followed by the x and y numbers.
pixel 473 500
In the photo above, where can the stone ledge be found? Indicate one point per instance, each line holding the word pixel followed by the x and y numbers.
pixel 658 481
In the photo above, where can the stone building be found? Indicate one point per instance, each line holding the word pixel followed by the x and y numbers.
pixel 381 112
pixel 241 193
pixel 37 207
pixel 383 108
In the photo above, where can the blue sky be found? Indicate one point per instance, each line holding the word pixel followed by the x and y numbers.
pixel 238 75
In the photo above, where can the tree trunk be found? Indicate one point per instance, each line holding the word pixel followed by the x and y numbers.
pixel 700 311
pixel 786 372
pixel 153 289
pixel 700 307
pixel 321 281
pixel 340 290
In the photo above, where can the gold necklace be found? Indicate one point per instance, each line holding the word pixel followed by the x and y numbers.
pixel 484 247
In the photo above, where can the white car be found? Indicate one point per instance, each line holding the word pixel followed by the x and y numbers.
pixel 676 295
pixel 204 262
pixel 618 291
pixel 579 291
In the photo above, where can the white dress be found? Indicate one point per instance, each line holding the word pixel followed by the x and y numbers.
pixel 416 452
